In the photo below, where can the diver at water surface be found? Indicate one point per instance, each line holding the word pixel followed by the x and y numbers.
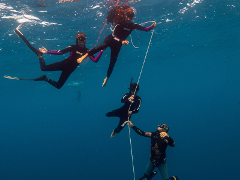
pixel 67 66
pixel 122 17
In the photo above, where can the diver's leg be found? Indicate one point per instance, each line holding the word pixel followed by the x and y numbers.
pixel 63 78
pixel 121 124
pixel 118 128
pixel 148 175
pixel 37 52
pixel 150 167
pixel 108 40
pixel 58 66
pixel 114 54
pixel 163 171
pixel 114 113
pixel 100 47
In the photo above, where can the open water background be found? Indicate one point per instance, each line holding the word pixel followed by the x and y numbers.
pixel 190 81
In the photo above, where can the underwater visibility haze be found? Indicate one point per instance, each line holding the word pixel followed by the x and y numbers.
pixel 190 81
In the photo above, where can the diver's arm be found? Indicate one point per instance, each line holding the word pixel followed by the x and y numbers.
pixel 139 131
pixel 146 29
pixel 171 141
pixel 142 133
pixel 60 52
pixel 167 139
pixel 136 109
pixel 125 98
pixel 96 59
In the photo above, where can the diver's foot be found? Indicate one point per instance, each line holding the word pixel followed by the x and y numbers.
pixel 174 178
pixel 113 134
pixel 105 82
pixel 41 78
pixel 80 60
pixel 153 174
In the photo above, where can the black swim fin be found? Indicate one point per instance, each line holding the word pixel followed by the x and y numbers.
pixel 17 32
pixel 41 78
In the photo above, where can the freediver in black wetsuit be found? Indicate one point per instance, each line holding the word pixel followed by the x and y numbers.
pixel 159 142
pixel 68 65
pixel 124 113
pixel 122 30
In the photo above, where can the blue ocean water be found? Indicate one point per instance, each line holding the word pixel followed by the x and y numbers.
pixel 190 81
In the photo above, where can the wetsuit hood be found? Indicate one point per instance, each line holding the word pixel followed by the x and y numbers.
pixel 133 87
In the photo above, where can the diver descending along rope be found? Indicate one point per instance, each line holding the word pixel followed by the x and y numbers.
pixel 131 104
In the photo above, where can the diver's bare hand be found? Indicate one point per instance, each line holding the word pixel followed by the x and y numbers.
pixel 154 25
pixel 125 42
pixel 129 123
pixel 43 50
pixel 163 135
pixel 131 97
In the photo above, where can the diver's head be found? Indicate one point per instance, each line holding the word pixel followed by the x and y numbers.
pixel 129 14
pixel 162 128
pixel 134 88
pixel 81 39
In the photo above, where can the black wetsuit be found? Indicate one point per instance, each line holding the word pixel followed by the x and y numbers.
pixel 122 112
pixel 158 145
pixel 67 66
pixel 114 41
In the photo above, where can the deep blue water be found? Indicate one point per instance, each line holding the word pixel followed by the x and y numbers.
pixel 190 81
